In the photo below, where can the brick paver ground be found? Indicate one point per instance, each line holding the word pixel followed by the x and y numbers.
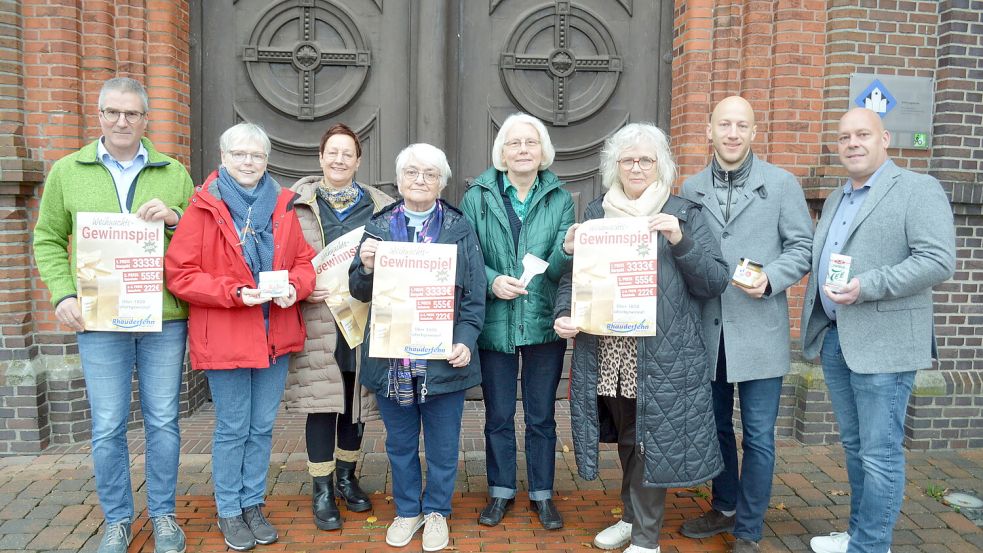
pixel 48 501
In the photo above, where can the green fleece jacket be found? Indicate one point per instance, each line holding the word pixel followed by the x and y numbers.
pixel 79 182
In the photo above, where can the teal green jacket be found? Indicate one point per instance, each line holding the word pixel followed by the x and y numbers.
pixel 528 319
pixel 79 182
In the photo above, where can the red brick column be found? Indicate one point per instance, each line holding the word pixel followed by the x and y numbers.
pixel 69 49
pixel 23 424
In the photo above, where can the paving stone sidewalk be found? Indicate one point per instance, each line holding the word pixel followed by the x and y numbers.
pixel 48 502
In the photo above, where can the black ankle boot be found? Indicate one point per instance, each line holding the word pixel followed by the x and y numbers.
pixel 348 488
pixel 326 514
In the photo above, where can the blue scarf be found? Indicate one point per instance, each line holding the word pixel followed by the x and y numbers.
pixel 252 213
pixel 408 377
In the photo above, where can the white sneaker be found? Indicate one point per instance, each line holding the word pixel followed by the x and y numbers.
pixel 636 549
pixel 614 536
pixel 435 532
pixel 401 530
pixel 836 542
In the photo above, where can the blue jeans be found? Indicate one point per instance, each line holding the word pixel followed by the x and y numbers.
pixel 441 419
pixel 542 366
pixel 246 402
pixel 108 359
pixel 870 409
pixel 745 489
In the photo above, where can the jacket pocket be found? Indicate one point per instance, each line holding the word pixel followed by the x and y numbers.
pixel 899 304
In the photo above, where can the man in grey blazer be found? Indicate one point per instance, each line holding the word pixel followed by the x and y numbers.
pixel 758 212
pixel 875 331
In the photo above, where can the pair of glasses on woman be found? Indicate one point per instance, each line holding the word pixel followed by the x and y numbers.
pixel 644 163
pixel 518 144
pixel 429 177
pixel 239 157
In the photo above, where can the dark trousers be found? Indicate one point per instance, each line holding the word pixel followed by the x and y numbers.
pixel 644 507
pixel 747 488
pixel 542 366
pixel 324 428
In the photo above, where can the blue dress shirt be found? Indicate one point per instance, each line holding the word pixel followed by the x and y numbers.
pixel 846 212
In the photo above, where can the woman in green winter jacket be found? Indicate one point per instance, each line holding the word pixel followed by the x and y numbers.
pixel 519 207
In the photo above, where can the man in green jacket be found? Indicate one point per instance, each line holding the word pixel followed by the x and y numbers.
pixel 121 172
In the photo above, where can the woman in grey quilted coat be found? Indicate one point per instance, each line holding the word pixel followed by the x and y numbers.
pixel 323 379
pixel 650 394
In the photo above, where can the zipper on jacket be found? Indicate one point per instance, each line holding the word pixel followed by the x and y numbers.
pixel 730 190
pixel 641 448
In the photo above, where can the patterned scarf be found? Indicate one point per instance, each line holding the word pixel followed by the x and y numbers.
pixel 408 377
pixel 428 232
pixel 341 200
pixel 252 213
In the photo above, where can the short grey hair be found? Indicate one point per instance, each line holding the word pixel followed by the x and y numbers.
pixel 124 84
pixel 241 133
pixel 425 154
pixel 637 134
pixel 549 152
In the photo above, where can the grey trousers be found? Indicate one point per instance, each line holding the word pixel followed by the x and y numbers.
pixel 644 507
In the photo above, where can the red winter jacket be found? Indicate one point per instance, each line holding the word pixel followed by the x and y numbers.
pixel 206 268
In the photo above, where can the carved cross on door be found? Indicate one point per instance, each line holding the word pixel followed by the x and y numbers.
pixel 561 63
pixel 305 55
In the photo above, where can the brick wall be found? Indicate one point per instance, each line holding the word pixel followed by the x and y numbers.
pixel 792 59
pixel 56 58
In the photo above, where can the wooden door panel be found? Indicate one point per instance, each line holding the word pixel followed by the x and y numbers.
pixel 295 67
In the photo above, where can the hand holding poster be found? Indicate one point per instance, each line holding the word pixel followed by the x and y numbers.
pixel 331 268
pixel 119 271
pixel 413 300
pixel 615 277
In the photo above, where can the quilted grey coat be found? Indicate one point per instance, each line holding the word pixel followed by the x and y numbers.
pixel 675 427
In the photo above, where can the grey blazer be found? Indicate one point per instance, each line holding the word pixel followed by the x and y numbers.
pixel 902 242
pixel 770 224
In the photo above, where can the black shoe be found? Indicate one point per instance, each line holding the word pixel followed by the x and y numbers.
pixel 549 517
pixel 326 514
pixel 711 523
pixel 262 530
pixel 492 514
pixel 347 487
pixel 237 535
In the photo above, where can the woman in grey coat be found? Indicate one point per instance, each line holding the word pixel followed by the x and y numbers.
pixel 650 394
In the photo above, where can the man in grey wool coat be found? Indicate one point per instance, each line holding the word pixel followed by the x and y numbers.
pixel 759 213
pixel 873 333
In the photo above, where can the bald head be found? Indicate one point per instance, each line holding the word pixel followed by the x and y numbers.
pixel 862 144
pixel 733 105
pixel 731 130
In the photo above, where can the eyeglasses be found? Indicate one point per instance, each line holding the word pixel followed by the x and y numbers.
pixel 112 115
pixel 518 144
pixel 342 155
pixel 644 163
pixel 429 177
pixel 239 157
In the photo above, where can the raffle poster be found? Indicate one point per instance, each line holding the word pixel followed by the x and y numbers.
pixel 413 300
pixel 615 277
pixel 119 271
pixel 331 267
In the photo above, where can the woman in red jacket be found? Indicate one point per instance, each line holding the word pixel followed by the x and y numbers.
pixel 240 227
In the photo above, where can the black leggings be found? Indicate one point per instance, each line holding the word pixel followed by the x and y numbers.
pixel 322 427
